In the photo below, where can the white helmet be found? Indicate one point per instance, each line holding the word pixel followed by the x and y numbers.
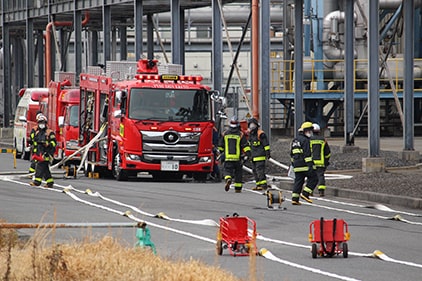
pixel 234 123
pixel 316 127
pixel 41 118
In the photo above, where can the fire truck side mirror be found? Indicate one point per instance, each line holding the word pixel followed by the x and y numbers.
pixel 60 121
pixel 121 97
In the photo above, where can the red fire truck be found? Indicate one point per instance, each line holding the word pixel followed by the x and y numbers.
pixel 161 124
pixel 62 110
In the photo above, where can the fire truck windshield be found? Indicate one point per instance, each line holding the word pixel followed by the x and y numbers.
pixel 169 104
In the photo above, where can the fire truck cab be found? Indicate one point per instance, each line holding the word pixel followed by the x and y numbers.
pixel 161 124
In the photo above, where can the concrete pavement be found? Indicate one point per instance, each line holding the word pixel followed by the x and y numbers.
pixel 388 144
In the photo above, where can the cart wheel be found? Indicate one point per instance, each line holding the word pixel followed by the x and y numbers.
pixel 345 250
pixel 314 251
pixel 219 247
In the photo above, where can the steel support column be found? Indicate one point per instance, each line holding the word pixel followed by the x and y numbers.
pixel 373 80
pixel 93 52
pixel 107 33
pixel 176 22
pixel 255 58
pixel 265 48
pixel 7 93
pixel 18 67
pixel 349 70
pixel 6 67
pixel 217 48
pixel 123 42
pixel 181 48
pixel 77 27
pixel 139 13
pixel 40 52
pixel 150 37
pixel 30 61
pixel 298 58
pixel 307 27
pixel 408 53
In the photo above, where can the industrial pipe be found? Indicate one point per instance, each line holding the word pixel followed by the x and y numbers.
pixel 255 59
pixel 48 43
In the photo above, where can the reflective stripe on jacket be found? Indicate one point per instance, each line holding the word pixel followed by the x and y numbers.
pixel 232 143
pixel 300 154
pixel 321 152
pixel 259 145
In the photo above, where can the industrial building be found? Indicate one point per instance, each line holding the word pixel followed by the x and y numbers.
pixel 306 70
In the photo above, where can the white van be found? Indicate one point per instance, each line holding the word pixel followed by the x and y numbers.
pixel 25 118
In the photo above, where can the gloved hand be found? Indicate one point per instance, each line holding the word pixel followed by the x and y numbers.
pixel 37 157
pixel 245 158
pixel 268 154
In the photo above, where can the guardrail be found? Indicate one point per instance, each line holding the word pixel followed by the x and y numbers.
pixel 327 76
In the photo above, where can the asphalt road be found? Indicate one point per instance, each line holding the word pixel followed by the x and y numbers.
pixel 194 210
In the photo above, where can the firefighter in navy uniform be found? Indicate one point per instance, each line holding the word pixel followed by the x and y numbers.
pixel 303 165
pixel 33 161
pixel 44 144
pixel 260 152
pixel 233 143
pixel 321 154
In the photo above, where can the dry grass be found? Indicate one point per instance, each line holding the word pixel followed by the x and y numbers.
pixel 103 259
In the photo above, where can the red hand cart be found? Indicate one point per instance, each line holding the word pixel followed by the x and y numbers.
pixel 238 234
pixel 331 235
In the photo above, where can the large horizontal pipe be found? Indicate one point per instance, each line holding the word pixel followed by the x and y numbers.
pixel 232 15
pixel 394 4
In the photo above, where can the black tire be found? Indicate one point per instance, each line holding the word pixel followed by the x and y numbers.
pixel 219 247
pixel 202 177
pixel 345 250
pixel 314 251
pixel 118 173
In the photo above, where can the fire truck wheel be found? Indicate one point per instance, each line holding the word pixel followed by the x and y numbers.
pixel 200 176
pixel 219 247
pixel 345 250
pixel 314 250
pixel 118 173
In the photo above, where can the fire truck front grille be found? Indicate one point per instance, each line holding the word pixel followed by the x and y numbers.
pixel 170 145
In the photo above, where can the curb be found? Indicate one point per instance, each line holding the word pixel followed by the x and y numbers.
pixel 396 200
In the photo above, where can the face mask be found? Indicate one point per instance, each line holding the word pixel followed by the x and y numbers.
pixel 308 134
pixel 41 126
pixel 252 126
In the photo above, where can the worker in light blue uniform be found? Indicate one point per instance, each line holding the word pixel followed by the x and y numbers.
pixel 144 237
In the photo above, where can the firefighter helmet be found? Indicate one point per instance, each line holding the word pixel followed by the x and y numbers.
pixel 306 126
pixel 41 118
pixel 316 127
pixel 234 122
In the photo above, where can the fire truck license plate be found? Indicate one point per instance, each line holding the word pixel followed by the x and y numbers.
pixel 169 165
